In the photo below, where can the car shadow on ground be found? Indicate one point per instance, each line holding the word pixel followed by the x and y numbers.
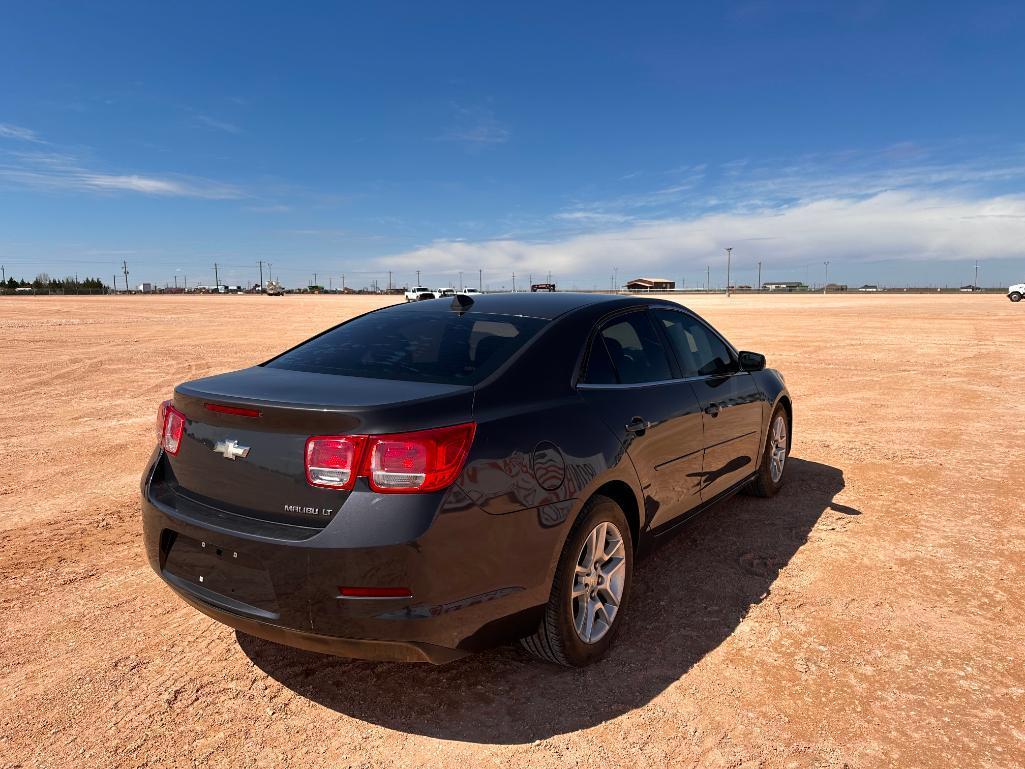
pixel 688 597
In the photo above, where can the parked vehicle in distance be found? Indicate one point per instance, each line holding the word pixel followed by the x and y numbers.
pixel 441 293
pixel 1016 292
pixel 535 287
pixel 274 288
pixel 432 479
pixel 419 293
pixel 470 291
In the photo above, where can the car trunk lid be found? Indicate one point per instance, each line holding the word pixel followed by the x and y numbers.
pixel 245 435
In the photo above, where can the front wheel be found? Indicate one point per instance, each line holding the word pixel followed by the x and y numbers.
pixel 769 479
pixel 1014 296
pixel 591 588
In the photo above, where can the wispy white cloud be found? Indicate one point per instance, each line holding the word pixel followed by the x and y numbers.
pixel 218 125
pixel 9 131
pixel 887 225
pixel 57 172
pixel 476 126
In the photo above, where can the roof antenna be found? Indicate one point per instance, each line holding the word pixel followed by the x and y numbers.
pixel 461 303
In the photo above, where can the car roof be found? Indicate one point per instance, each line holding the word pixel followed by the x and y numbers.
pixel 545 305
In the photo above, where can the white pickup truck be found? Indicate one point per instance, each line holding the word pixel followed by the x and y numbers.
pixel 417 293
pixel 1016 292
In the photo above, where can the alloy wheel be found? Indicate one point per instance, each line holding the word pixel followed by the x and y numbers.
pixel 598 582
pixel 778 447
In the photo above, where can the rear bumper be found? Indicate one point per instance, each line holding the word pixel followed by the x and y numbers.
pixel 358 648
pixel 477 580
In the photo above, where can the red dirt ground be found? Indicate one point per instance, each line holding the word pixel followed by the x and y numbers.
pixel 870 615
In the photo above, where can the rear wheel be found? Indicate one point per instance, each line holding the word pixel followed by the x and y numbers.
pixel 1015 296
pixel 591 588
pixel 769 479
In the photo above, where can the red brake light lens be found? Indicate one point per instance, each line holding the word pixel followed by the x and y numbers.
pixel 332 462
pixel 402 463
pixel 172 426
pixel 427 460
pixel 238 411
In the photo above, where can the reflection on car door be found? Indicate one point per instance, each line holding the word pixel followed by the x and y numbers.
pixel 730 400
pixel 632 383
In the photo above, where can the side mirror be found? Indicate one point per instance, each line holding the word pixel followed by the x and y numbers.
pixel 751 361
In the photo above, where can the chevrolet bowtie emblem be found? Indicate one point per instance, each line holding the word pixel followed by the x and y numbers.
pixel 231 450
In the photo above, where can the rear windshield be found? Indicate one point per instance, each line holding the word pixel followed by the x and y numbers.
pixel 443 347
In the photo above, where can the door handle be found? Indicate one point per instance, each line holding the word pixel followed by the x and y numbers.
pixel 637 426
pixel 713 409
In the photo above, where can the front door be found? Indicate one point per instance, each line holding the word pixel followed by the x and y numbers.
pixel 730 401
pixel 631 382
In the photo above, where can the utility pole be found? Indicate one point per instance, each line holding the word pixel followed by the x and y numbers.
pixel 314 279
pixel 418 278
pixel 217 279
pixel 330 284
pixel 261 274
pixel 729 254
pixel 389 281
pixel 975 285
pixel 460 280
pixel 615 280
pixel 708 273
pixel 175 282
pixel 343 282
pixel 270 274
pixel 759 276
pixel 115 282
pixel 186 282
pixel 825 286
pixel 124 266
pixel 3 274
pixel 480 280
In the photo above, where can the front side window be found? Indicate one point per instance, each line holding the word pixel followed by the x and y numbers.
pixel 627 350
pixel 698 349
pixel 441 347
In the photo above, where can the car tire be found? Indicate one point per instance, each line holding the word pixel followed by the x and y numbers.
pixel 1014 296
pixel 772 470
pixel 561 636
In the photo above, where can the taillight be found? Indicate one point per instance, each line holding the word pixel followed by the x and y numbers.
pixel 332 461
pixel 170 426
pixel 427 460
pixel 402 463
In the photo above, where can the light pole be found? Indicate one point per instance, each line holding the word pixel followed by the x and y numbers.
pixel 729 254
pixel 825 286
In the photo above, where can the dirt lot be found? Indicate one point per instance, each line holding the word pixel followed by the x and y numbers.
pixel 870 615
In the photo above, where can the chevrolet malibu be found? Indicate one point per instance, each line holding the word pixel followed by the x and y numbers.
pixel 432 479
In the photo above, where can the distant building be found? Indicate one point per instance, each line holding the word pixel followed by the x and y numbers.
pixel 836 287
pixel 968 289
pixel 146 288
pixel 786 285
pixel 869 287
pixel 650 284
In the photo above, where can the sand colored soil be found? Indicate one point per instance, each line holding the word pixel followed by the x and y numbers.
pixel 873 614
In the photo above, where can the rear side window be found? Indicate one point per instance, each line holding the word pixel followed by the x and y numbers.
pixel 698 349
pixel 439 347
pixel 630 345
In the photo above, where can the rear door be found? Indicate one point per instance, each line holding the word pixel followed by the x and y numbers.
pixel 730 400
pixel 632 383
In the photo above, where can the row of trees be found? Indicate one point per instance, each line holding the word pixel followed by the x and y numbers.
pixel 69 284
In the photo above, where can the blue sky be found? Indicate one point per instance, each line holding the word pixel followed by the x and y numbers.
pixel 344 138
